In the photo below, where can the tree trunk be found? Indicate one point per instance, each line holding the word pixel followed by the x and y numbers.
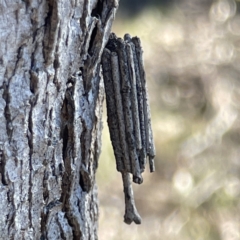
pixel 51 106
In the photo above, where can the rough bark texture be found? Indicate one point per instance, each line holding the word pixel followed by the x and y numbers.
pixel 50 102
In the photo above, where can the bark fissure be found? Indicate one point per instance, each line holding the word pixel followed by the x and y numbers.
pixel 68 118
pixel 30 145
pixel 92 38
pixel 97 11
pixel 7 114
pixel 3 160
pixel 51 31
pixel 62 233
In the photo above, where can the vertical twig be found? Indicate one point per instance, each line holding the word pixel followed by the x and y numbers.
pixel 111 106
pixel 134 103
pixel 142 152
pixel 119 109
pixel 131 213
pixel 134 96
pixel 147 117
pixel 126 98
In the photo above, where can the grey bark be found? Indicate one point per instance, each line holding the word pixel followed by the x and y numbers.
pixel 51 104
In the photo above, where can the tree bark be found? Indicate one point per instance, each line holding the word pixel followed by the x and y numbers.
pixel 51 96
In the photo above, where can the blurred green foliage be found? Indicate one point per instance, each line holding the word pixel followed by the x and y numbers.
pixel 192 59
